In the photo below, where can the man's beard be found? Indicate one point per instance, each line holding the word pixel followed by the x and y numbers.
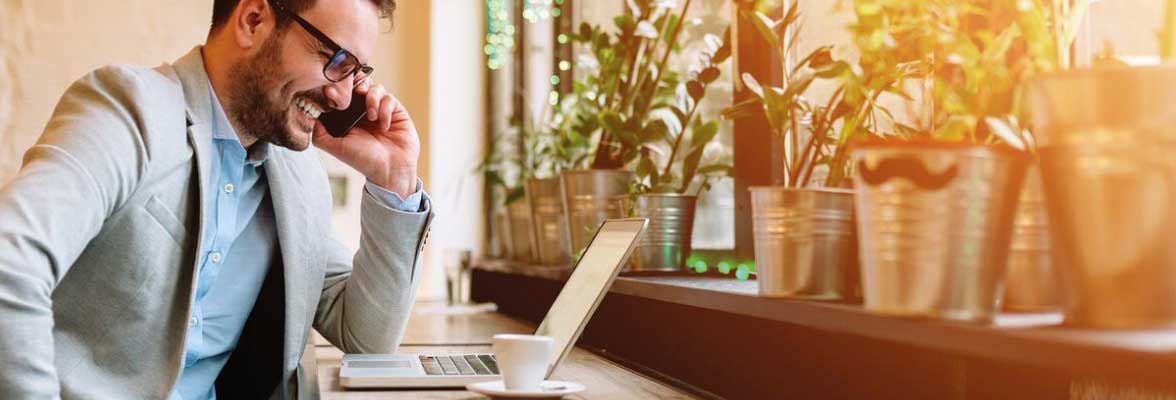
pixel 253 92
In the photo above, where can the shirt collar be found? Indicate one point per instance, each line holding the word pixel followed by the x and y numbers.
pixel 223 130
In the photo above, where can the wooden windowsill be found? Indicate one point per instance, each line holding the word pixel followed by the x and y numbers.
pixel 1030 339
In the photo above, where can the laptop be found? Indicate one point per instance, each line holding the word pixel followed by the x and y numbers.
pixel 608 251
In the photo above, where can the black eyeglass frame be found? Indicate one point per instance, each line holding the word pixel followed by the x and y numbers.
pixel 326 41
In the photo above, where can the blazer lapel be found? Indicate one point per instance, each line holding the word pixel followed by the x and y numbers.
pixel 292 223
pixel 193 78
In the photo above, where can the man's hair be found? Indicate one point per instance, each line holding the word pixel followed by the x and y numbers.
pixel 223 9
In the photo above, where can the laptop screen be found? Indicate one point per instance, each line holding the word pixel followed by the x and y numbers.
pixel 589 282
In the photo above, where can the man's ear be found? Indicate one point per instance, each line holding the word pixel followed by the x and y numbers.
pixel 253 21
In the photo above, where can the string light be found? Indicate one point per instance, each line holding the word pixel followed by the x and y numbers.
pixel 500 34
pixel 538 10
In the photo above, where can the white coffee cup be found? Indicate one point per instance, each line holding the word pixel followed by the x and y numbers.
pixel 522 360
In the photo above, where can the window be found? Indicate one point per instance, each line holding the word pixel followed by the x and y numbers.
pixel 1126 28
pixel 714 222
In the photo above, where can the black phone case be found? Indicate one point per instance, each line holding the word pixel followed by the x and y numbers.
pixel 339 122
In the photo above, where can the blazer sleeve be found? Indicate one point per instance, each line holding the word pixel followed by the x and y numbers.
pixel 367 296
pixel 86 164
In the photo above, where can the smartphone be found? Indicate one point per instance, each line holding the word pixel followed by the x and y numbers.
pixel 339 122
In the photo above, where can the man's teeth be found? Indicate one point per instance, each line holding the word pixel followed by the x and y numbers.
pixel 308 108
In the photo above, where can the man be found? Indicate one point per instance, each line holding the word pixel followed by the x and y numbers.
pixel 169 235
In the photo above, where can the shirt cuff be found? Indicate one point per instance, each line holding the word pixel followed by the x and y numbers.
pixel 412 204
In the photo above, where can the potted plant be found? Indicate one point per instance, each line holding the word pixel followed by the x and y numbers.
pixel 550 148
pixel 935 204
pixel 626 83
pixel 671 167
pixel 1104 135
pixel 1049 29
pixel 804 228
pixel 505 169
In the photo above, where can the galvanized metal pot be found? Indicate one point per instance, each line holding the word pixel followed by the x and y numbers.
pixel 1107 138
pixel 549 235
pixel 589 198
pixel 519 214
pixel 1030 281
pixel 805 243
pixel 934 222
pixel 666 244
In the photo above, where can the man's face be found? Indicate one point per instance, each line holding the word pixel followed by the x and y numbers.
pixel 279 91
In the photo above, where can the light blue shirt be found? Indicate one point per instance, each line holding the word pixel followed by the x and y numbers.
pixel 239 246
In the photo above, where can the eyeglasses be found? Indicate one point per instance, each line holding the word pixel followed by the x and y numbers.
pixel 342 63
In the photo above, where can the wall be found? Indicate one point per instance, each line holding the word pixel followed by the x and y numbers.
pixel 458 115
pixel 47 44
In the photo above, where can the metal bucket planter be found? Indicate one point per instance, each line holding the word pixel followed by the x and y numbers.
pixel 549 233
pixel 934 223
pixel 589 198
pixel 1107 139
pixel 1030 281
pixel 666 244
pixel 805 243
pixel 520 231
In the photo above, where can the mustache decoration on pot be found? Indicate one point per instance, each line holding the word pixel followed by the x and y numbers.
pixel 909 167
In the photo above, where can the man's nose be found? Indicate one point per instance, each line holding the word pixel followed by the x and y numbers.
pixel 339 94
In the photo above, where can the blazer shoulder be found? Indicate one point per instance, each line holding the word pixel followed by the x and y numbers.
pixel 118 115
pixel 133 86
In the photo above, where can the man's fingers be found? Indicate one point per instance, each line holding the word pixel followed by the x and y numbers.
pixel 386 113
pixel 374 97
pixel 324 140
pixel 363 87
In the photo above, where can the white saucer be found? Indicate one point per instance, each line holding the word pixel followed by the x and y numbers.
pixel 551 390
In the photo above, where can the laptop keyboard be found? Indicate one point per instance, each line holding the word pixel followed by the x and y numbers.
pixel 460 364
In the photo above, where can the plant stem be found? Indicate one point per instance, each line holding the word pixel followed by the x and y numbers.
pixel 705 181
pixel 643 72
pixel 678 140
pixel 661 65
pixel 792 157
pixel 822 126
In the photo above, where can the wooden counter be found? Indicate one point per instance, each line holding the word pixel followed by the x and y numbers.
pixel 436 333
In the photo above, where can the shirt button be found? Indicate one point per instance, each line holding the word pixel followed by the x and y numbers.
pixel 215 257
pixel 193 321
pixel 229 188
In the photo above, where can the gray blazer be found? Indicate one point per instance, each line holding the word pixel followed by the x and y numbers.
pixel 99 234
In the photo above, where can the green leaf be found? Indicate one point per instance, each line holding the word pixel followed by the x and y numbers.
pixel 495 179
pixel 611 121
pixel 1003 130
pixel 744 109
pixel 625 23
pixel 704 133
pixel 644 168
pixel 716 169
pixel 655 130
pixel 695 89
pixel 724 52
pixel 586 32
pixel 764 26
pixel 690 167
pixel 818 58
pixel 789 18
pixel 514 195
pixel 752 84
pixel 708 75
pixel 777 108
pixel 832 70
